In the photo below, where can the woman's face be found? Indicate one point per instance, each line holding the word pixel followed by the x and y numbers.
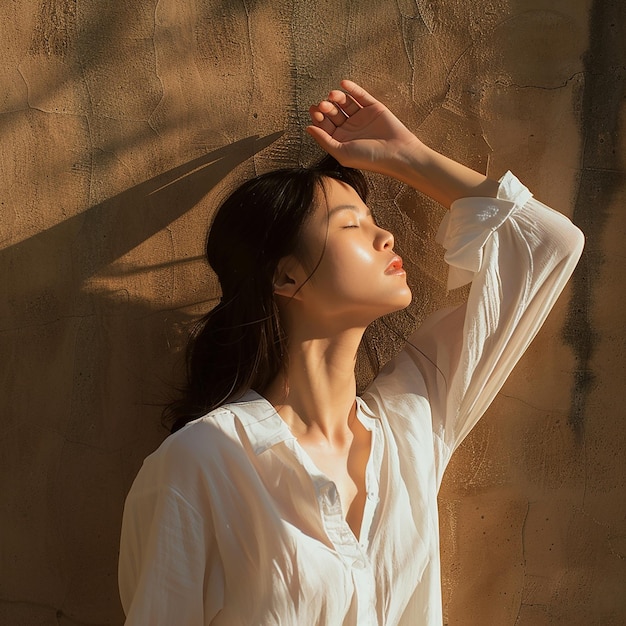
pixel 354 273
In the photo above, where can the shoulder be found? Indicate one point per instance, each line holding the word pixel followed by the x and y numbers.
pixel 399 382
pixel 195 451
pixel 398 395
pixel 200 436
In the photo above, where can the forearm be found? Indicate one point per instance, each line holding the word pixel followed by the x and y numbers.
pixel 361 132
pixel 436 175
pixel 518 255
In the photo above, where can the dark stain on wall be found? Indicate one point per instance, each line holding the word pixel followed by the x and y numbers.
pixel 601 177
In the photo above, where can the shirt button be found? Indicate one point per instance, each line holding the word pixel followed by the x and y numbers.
pixel 359 564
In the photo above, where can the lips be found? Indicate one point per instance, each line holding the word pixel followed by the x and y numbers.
pixel 395 267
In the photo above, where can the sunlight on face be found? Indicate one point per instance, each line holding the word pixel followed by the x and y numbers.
pixel 352 268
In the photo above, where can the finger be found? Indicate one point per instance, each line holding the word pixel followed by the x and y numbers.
pixel 345 102
pixel 333 112
pixel 320 120
pixel 358 93
pixel 324 140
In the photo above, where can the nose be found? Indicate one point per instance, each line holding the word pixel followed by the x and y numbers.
pixel 384 239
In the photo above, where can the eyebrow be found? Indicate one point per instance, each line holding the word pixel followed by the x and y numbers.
pixel 347 207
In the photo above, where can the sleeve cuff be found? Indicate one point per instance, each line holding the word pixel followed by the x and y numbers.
pixel 469 224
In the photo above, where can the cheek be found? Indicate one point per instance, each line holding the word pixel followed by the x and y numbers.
pixel 347 271
pixel 343 264
pixel 362 256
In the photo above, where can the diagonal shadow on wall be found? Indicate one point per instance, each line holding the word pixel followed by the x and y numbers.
pixel 81 373
pixel 77 248
pixel 51 325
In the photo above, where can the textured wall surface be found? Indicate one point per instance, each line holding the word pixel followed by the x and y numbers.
pixel 123 123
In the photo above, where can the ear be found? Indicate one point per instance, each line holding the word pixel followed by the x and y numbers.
pixel 286 277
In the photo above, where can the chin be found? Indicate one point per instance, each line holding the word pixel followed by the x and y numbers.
pixel 404 299
pixel 398 304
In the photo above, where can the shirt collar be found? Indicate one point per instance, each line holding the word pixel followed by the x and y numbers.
pixel 365 414
pixel 263 426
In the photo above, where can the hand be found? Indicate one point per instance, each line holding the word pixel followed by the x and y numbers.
pixel 359 131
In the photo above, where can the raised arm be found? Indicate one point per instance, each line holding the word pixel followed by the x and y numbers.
pixel 361 132
pixel 516 252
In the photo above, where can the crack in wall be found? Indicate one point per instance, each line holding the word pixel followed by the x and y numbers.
pixel 562 85
pixel 542 409
pixel 150 119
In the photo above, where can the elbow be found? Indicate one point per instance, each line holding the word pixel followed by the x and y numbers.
pixel 574 243
pixel 569 245
pixel 566 239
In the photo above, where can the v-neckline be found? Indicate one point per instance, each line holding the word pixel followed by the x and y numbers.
pixel 284 434
pixel 319 477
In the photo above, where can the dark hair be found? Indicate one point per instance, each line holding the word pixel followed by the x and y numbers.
pixel 239 344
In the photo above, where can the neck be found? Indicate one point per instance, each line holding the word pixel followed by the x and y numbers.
pixel 316 397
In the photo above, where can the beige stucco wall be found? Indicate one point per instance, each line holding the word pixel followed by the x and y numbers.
pixel 121 125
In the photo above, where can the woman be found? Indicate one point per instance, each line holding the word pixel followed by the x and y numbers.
pixel 284 498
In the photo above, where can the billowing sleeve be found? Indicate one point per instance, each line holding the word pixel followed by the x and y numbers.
pixel 518 255
pixel 165 572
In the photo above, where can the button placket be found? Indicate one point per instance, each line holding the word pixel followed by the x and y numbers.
pixel 338 529
pixel 372 486
pixel 329 504
pixel 364 582
pixel 328 498
pixel 331 513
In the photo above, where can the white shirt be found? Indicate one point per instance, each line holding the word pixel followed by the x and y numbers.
pixel 230 523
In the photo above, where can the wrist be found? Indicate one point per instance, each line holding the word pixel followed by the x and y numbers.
pixel 409 162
